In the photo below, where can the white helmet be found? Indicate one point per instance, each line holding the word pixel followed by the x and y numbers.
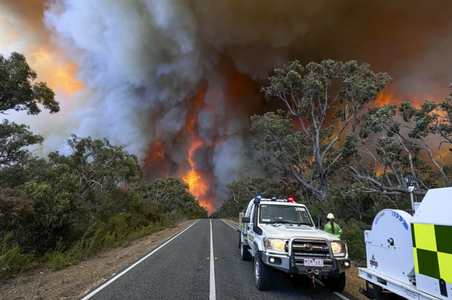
pixel 330 216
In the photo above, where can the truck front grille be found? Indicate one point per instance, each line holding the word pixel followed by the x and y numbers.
pixel 302 249
pixel 307 248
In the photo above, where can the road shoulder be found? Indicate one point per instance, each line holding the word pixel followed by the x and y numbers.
pixel 74 281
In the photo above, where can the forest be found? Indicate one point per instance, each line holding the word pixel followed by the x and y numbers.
pixel 335 149
pixel 330 146
pixel 58 210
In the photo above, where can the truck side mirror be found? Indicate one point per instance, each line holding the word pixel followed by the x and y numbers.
pixel 245 220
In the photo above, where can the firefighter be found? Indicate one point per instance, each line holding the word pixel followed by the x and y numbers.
pixel 332 227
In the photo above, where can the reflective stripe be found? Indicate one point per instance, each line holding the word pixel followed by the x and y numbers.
pixel 425 236
pixel 444 238
pixel 445 266
pixel 432 250
pixel 416 265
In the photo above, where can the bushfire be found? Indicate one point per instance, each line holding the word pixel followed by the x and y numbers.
pixel 194 178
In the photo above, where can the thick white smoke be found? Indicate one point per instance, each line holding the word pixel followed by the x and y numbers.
pixel 143 61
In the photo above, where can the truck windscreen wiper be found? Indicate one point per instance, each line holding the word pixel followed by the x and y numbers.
pixel 284 221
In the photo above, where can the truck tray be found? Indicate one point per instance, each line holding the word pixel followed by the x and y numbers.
pixel 402 289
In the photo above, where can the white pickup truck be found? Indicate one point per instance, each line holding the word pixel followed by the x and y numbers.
pixel 280 234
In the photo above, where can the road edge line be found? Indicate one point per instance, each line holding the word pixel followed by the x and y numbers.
pixel 341 296
pixel 132 266
pixel 228 224
pixel 337 293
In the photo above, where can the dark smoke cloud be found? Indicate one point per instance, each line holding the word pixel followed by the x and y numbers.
pixel 144 61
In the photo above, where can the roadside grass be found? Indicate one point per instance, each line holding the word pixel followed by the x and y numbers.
pixel 12 261
pixel 99 237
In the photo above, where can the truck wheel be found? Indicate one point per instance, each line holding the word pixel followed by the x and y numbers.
pixel 336 283
pixel 244 253
pixel 262 274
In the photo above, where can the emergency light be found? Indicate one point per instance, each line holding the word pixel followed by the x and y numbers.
pixel 257 200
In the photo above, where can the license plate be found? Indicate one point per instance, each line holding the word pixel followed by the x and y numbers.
pixel 313 262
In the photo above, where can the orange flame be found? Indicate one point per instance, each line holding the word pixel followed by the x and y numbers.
pixel 194 178
pixel 385 98
pixel 55 72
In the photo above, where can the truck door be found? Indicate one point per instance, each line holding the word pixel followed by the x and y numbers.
pixel 249 226
pixel 251 233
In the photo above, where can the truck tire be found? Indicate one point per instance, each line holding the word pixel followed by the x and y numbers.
pixel 336 283
pixel 262 274
pixel 244 253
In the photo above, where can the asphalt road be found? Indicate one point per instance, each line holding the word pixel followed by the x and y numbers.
pixel 182 268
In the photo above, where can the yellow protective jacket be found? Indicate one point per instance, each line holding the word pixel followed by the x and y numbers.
pixel 337 229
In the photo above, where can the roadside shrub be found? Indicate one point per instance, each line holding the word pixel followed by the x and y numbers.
pixel 94 240
pixel 57 260
pixel 146 230
pixel 16 213
pixel 12 261
pixel 353 233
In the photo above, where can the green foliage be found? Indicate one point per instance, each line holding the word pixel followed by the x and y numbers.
pixel 16 210
pixel 353 233
pixel 57 260
pixel 103 235
pixel 12 261
pixel 17 90
pixel 53 191
pixel 324 99
pixel 170 196
pixel 74 206
pixel 400 148
pixel 443 121
pixel 100 170
pixel 71 206
pixel 14 140
pixel 241 192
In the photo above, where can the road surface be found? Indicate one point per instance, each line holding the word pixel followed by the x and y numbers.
pixel 201 262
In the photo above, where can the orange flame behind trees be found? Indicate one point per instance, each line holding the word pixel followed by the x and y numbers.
pixel 385 98
pixel 196 180
pixel 55 71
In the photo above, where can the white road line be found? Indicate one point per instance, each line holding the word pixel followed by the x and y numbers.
pixel 132 266
pixel 341 296
pixel 337 294
pixel 229 225
pixel 319 282
pixel 212 266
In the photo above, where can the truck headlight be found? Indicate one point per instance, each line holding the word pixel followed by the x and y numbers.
pixel 339 248
pixel 276 244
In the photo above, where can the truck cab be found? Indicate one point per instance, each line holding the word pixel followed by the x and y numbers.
pixel 280 234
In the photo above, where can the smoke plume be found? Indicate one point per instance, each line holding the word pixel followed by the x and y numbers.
pixel 175 81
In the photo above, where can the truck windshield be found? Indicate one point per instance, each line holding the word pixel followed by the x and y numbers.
pixel 284 214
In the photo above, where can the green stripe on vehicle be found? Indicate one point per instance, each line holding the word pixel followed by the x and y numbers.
pixel 428 263
pixel 443 235
pixel 432 250
pixel 412 235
